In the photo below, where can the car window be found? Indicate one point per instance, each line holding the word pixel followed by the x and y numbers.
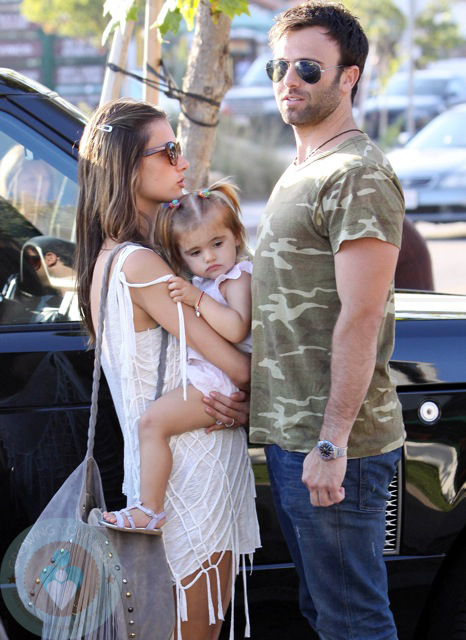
pixel 38 193
pixel 256 75
pixel 423 86
pixel 456 89
pixel 447 130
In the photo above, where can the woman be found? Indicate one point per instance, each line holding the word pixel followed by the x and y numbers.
pixel 129 165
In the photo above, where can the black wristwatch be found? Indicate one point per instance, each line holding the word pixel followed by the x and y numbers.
pixel 328 451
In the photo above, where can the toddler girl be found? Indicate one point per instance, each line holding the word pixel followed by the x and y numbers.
pixel 202 236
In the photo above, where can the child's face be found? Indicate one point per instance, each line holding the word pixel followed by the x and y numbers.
pixel 210 250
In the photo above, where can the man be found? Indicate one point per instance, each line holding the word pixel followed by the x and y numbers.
pixel 322 399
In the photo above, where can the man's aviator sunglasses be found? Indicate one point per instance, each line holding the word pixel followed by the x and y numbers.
pixel 171 149
pixel 308 70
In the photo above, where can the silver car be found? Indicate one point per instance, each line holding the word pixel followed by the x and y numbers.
pixel 432 169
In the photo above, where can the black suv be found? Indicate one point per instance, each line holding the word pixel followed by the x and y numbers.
pixel 45 381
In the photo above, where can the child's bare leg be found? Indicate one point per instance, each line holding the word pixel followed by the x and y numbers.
pixel 168 416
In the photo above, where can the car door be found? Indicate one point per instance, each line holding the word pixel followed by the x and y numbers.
pixel 45 366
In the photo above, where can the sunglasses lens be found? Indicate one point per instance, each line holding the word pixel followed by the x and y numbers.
pixel 173 151
pixel 276 69
pixel 308 70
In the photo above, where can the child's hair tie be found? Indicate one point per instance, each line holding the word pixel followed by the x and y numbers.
pixel 204 193
pixel 174 204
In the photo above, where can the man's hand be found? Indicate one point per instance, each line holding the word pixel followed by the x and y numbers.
pixel 324 478
pixel 227 408
pixel 183 291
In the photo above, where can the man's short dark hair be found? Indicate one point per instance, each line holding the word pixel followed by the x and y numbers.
pixel 61 248
pixel 340 25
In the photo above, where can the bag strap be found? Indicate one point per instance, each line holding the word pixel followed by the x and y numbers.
pixel 98 349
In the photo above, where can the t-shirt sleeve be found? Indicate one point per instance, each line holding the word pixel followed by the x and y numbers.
pixel 364 202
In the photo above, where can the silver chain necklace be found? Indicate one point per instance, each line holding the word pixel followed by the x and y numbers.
pixel 313 151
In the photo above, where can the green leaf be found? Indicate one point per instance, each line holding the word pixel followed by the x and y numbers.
pixel 169 18
pixel 231 8
pixel 120 12
pixel 173 11
pixel 188 11
pixel 133 13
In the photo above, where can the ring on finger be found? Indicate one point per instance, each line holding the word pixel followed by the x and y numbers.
pixel 219 422
pixel 228 426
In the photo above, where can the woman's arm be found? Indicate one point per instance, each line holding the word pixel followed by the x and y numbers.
pixel 153 303
pixel 224 408
pixel 232 321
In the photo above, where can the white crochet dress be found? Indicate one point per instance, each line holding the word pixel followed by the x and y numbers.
pixel 210 500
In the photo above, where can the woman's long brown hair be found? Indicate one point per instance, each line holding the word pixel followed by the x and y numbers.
pixel 108 172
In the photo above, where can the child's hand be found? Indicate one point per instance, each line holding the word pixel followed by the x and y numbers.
pixel 182 291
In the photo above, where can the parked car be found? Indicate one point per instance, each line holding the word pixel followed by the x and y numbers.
pixel 432 169
pixel 434 90
pixel 253 96
pixel 45 383
pixel 251 104
pixel 452 64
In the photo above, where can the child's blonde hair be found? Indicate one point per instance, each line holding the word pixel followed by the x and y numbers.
pixel 189 213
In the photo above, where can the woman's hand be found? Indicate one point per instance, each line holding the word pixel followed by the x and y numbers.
pixel 183 291
pixel 227 408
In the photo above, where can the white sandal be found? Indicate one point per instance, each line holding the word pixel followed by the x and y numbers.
pixel 150 528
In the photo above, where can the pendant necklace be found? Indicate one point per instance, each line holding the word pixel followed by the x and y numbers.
pixel 313 151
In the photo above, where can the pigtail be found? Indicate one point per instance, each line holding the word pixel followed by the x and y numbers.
pixel 231 193
pixel 228 193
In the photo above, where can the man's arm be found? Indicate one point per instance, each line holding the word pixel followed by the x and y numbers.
pixel 364 270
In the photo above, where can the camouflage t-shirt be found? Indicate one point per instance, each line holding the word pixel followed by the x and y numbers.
pixel 347 193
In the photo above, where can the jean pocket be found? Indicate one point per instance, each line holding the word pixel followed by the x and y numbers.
pixel 376 474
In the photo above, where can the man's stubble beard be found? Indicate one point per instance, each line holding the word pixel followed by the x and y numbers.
pixel 314 112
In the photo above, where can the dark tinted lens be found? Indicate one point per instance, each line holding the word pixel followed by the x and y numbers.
pixel 173 150
pixel 276 69
pixel 308 70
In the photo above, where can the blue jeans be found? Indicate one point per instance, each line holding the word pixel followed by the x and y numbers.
pixel 337 550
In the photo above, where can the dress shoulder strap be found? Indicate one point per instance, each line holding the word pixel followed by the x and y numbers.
pixel 121 275
pixel 126 305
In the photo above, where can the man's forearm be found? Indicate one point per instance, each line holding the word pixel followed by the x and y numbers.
pixel 354 349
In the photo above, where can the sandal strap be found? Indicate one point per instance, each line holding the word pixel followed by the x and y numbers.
pixel 130 517
pixel 155 517
pixel 119 518
pixel 154 522
pixel 138 505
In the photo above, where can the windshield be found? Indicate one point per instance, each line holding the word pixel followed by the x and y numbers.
pixel 447 130
pixel 256 75
pixel 423 86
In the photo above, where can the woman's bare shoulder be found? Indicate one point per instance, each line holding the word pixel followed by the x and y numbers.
pixel 144 266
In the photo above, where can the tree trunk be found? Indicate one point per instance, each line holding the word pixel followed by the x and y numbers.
pixel 209 75
pixel 118 54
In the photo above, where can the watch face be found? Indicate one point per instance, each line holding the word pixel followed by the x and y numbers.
pixel 326 449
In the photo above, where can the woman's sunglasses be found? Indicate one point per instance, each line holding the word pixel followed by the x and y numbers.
pixel 308 70
pixel 171 149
